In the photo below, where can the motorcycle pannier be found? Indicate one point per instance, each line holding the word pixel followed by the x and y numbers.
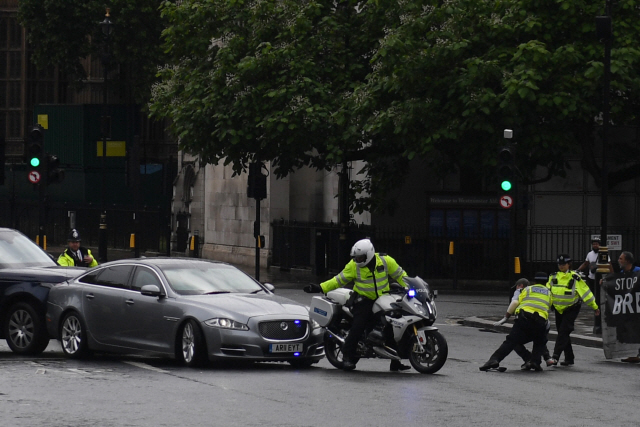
pixel 322 310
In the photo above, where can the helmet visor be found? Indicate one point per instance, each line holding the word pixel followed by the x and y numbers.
pixel 360 258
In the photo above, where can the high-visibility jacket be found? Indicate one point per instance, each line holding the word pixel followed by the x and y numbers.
pixel 364 281
pixel 567 289
pixel 535 299
pixel 68 259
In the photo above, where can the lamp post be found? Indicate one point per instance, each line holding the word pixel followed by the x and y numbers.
pixel 107 28
pixel 605 33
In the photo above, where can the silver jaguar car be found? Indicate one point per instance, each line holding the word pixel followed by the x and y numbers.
pixel 192 309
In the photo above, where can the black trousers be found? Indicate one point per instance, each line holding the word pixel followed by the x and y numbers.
pixel 362 318
pixel 565 324
pixel 524 330
pixel 525 354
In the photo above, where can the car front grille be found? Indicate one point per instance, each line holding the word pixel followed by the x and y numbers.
pixel 283 329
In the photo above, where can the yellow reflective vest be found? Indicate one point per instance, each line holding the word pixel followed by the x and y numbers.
pixel 567 289
pixel 535 299
pixel 67 260
pixel 364 281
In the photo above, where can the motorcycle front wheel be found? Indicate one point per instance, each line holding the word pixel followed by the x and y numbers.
pixel 432 357
pixel 333 351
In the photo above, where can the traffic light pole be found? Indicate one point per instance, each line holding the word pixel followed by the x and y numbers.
pixel 604 26
pixel 107 28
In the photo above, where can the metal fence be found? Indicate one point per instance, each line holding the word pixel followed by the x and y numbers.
pixel 153 232
pixel 318 247
pixel 544 244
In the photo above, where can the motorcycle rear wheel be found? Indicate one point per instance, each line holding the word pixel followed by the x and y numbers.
pixel 432 359
pixel 333 351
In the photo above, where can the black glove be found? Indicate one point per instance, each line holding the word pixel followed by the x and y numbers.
pixel 312 288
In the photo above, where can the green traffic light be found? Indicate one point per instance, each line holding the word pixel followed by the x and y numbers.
pixel 506 185
pixel 35 162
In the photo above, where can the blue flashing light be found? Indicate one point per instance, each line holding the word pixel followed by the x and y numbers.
pixel 412 293
pixel 297 322
pixel 296 354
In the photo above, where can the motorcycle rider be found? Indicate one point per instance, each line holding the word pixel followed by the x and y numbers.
pixel 370 273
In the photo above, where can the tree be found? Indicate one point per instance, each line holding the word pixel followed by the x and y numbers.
pixel 270 80
pixel 62 33
pixel 455 74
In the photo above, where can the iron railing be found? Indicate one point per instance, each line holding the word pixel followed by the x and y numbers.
pixel 317 246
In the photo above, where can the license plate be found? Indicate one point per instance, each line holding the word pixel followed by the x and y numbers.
pixel 285 348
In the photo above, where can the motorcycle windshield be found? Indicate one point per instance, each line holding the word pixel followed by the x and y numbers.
pixel 422 290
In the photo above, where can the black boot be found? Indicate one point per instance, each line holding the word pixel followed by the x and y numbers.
pixel 396 366
pixel 347 365
pixel 531 365
pixel 491 364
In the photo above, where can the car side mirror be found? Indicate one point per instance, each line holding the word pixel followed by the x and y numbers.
pixel 151 291
pixel 270 287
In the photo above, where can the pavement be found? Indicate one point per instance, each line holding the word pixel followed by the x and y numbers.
pixel 583 333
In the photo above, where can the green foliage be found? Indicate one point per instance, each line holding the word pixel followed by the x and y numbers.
pixel 319 83
pixel 455 74
pixel 269 80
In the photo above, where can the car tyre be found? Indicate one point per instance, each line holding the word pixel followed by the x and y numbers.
pixel 192 349
pixel 73 336
pixel 25 330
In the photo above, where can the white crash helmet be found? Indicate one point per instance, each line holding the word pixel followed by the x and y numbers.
pixel 362 252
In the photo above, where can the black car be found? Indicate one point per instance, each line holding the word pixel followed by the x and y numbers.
pixel 26 274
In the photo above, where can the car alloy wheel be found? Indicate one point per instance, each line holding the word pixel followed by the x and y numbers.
pixel 192 349
pixel 187 343
pixel 73 337
pixel 24 330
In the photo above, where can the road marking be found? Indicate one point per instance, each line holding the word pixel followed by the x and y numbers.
pixel 148 367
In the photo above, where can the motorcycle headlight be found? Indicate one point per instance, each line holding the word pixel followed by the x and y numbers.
pixel 221 322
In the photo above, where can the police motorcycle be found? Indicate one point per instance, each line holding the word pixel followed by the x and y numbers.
pixel 402 327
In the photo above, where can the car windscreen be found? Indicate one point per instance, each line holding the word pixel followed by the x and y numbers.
pixel 17 251
pixel 208 278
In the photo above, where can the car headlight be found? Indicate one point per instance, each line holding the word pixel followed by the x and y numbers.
pixel 221 322
pixel 314 324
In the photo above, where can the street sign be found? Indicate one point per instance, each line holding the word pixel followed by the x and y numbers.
pixel 614 241
pixel 34 177
pixel 506 202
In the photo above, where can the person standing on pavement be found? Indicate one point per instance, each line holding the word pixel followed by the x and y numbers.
pixel 532 313
pixel 591 265
pixel 625 261
pixel 568 291
pixel 370 273
pixel 76 255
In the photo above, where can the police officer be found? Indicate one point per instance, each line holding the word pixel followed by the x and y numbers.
pixel 568 290
pixel 540 278
pixel 530 325
pixel 370 273
pixel 76 255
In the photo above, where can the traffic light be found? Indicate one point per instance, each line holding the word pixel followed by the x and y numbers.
pixel 54 173
pixel 257 185
pixel 507 168
pixel 34 148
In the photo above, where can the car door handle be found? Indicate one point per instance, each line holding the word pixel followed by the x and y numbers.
pixel 129 301
pixel 90 296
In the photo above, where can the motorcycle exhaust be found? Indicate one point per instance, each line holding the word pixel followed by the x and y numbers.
pixel 385 353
